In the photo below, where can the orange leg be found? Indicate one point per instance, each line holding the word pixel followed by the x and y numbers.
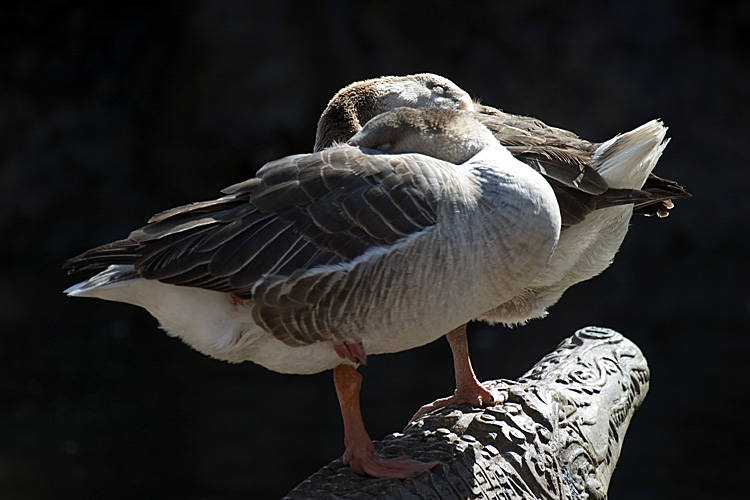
pixel 468 388
pixel 353 351
pixel 360 452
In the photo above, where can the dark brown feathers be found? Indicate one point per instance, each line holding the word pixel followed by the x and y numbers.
pixel 345 114
pixel 299 212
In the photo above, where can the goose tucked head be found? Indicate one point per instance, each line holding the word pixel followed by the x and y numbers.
pixel 447 134
pixel 357 103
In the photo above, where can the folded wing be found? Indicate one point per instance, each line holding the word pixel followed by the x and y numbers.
pixel 299 212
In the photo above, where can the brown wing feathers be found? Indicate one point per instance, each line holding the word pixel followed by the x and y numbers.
pixel 300 212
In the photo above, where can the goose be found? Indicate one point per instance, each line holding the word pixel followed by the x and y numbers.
pixel 354 105
pixel 417 224
pixel 598 187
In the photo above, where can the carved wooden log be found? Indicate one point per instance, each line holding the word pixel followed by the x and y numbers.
pixel 556 434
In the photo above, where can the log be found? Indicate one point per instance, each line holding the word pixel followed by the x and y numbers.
pixel 556 433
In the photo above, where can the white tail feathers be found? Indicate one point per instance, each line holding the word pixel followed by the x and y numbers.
pixel 626 160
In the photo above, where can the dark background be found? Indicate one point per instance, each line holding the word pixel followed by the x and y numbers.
pixel 110 115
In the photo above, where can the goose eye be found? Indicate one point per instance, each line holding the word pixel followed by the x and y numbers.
pixel 438 90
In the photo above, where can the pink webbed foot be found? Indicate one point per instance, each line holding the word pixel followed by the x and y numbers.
pixel 478 397
pixel 368 464
pixel 468 388
pixel 360 452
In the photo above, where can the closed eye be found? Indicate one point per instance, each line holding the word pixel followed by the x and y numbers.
pixel 438 90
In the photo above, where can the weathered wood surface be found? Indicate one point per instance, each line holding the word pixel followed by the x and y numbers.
pixel 556 434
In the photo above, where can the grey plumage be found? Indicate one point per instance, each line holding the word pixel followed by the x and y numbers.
pixel 296 241
pixel 299 212
pixel 435 214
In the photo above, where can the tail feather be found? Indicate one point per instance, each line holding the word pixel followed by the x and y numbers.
pixel 112 276
pixel 626 160
pixel 662 191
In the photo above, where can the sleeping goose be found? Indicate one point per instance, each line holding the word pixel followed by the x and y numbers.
pixel 420 223
pixel 357 103
pixel 597 186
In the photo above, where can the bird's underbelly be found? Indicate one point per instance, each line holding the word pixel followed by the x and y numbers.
pixel 402 298
pixel 583 252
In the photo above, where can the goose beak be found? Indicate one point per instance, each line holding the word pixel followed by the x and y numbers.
pixel 351 143
pixel 465 103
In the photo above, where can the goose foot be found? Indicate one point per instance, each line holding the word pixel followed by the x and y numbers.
pixel 468 388
pixel 481 398
pixel 360 452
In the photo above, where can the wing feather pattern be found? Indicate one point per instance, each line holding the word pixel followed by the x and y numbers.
pixel 299 212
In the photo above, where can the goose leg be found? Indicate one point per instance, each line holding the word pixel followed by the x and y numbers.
pixel 353 351
pixel 360 452
pixel 468 388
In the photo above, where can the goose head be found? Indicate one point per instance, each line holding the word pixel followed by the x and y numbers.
pixel 446 134
pixel 355 104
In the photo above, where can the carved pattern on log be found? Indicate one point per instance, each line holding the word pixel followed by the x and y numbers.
pixel 556 433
